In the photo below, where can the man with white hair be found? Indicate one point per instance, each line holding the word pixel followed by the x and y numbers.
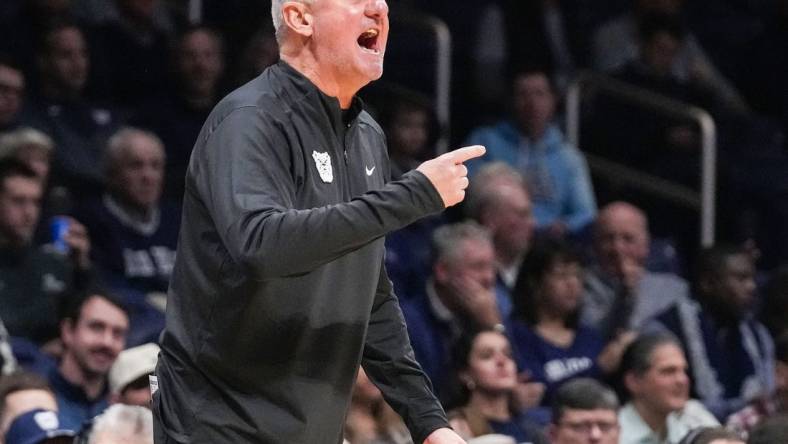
pixel 279 290
pixel 123 424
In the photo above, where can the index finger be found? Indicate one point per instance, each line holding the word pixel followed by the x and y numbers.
pixel 460 155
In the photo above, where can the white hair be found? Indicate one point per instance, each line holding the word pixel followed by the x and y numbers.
pixel 278 18
pixel 123 424
pixel 121 140
pixel 24 138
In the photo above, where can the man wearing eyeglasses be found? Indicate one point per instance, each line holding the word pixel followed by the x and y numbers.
pixel 584 412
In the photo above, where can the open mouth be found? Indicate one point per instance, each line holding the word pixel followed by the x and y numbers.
pixel 368 40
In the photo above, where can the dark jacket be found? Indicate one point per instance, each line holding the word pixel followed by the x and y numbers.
pixel 279 289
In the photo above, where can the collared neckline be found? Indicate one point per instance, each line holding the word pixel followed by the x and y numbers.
pixel 340 119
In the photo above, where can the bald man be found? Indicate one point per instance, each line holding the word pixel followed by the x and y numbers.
pixel 620 294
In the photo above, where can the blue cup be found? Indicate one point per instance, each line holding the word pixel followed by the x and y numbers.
pixel 59 228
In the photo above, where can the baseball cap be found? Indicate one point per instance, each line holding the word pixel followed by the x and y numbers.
pixel 132 364
pixel 35 426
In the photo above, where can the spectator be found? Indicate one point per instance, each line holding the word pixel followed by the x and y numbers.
pixel 260 52
pixel 30 147
pixel 34 280
pixel 584 412
pixel 21 392
pixel 123 424
pixel 555 171
pixel 39 426
pixel 620 294
pixel 731 355
pixel 131 53
pixel 20 33
pixel 655 378
pixel 12 91
pixel 487 382
pixel 78 126
pixel 760 409
pixel 499 201
pixel 772 431
pixel 551 345
pixel 129 376
pixel 775 303
pixel 134 233
pixel 711 435
pixel 93 331
pixel 615 44
pixel 370 420
pixel 409 126
pixel 177 115
pixel 459 295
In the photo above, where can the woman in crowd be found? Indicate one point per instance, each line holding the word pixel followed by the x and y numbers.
pixel 551 344
pixel 486 382
pixel 659 411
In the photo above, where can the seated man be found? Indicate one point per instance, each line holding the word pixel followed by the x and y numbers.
pixel 128 378
pixel 93 332
pixel 655 377
pixel 39 426
pixel 584 411
pixel 21 392
pixel 620 294
pixel 731 355
pixel 498 199
pixel 12 89
pixel 123 424
pixel 134 233
pixel 459 295
pixel 34 281
pixel 555 171
pixel 746 419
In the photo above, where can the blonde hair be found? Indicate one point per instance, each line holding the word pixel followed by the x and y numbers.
pixel 24 138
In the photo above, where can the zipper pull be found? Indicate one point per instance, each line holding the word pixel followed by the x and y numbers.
pixel 344 152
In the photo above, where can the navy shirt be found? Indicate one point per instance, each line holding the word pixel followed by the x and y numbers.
pixel 551 364
pixel 74 406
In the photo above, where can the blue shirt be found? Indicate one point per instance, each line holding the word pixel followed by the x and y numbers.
pixel 551 364
pixel 74 406
pixel 555 171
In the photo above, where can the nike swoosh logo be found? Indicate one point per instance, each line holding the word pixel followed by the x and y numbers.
pixel 369 170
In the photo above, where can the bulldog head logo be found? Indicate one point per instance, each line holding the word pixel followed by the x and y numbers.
pixel 323 164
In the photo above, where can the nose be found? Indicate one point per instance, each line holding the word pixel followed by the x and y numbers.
pixel 377 8
pixel 595 434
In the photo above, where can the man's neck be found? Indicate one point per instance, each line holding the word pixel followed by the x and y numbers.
pixel 656 421
pixel 329 83
pixel 92 385
pixel 136 213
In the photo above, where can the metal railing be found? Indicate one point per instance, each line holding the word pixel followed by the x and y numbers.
pixel 705 201
pixel 419 21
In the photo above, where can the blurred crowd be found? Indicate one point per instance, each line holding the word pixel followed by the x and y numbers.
pixel 556 304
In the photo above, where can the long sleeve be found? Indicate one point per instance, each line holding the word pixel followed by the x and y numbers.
pixel 389 361
pixel 251 195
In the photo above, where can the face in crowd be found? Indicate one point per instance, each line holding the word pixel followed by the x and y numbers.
pixel 95 339
pixel 490 367
pixel 20 206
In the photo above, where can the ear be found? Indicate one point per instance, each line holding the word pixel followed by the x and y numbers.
pixel 66 330
pixel 440 271
pixel 298 18
pixel 632 383
pixel 552 433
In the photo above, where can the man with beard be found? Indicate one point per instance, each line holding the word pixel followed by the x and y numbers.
pixel 93 331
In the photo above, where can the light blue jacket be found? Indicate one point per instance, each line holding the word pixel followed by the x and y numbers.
pixel 555 171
